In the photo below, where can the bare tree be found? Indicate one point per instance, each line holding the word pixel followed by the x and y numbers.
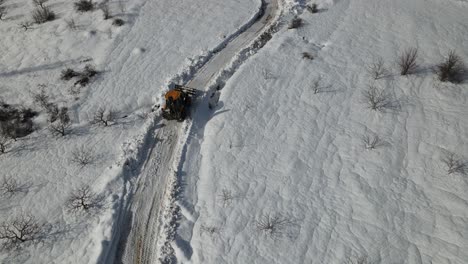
pixel 5 142
pixel 451 69
pixel 83 199
pixel 376 99
pixel 407 61
pixel 104 116
pixel 9 185
pixel 272 225
pixel 376 69
pixel 20 229
pixel 61 126
pixel 372 141
pixel 84 5
pixel 83 156
pixel 41 98
pixel 39 3
pixel 454 164
pixel 226 197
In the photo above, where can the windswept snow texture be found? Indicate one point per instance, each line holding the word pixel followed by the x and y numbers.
pixel 278 148
pixel 158 41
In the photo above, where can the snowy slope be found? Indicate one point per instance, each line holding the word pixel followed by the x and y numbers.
pixel 280 149
pixel 136 60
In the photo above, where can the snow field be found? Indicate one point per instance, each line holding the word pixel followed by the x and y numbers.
pixel 281 149
pixel 135 61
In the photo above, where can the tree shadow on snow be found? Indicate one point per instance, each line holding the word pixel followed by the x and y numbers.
pixel 44 67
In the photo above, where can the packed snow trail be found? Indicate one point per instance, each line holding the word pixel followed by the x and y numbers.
pixel 140 244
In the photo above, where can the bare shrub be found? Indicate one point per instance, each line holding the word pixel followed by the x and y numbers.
pixel 376 69
pixel 372 141
pixel 61 126
pixel 42 14
pixel 358 260
pixel 104 6
pixel 9 185
pixel 82 81
pixel 89 71
pixel 210 230
pixel 267 75
pixel 376 99
pixel 104 116
pixel 20 229
pixel 83 199
pixel 84 5
pixel 296 22
pixel 2 11
pixel 451 69
pixel 39 3
pixel 5 142
pixel 316 86
pixel 226 197
pixel 71 24
pixel 118 22
pixel 68 73
pixel 454 164
pixel 121 6
pixel 26 25
pixel 307 55
pixel 83 156
pixel 271 225
pixel 312 8
pixel 407 61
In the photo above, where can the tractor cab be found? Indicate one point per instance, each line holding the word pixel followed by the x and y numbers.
pixel 177 102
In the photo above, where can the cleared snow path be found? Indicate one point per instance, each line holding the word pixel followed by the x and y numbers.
pixel 139 245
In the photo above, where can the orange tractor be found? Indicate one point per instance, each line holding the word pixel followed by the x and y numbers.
pixel 178 101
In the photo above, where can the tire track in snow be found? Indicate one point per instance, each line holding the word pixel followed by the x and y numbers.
pixel 155 185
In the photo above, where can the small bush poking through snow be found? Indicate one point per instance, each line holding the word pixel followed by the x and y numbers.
pixel 42 14
pixel 9 185
pixel 118 22
pixel 376 69
pixel 312 8
pixel 105 10
pixel 451 69
pixel 83 199
pixel 376 99
pixel 296 23
pixel 84 5
pixel 19 229
pixel 5 142
pixel 372 141
pixel 454 164
pixel 307 55
pixel 2 10
pixel 210 230
pixel 71 24
pixel 226 197
pixel 407 61
pixel 83 156
pixel 39 3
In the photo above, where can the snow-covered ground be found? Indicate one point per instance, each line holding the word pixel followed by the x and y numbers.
pixel 161 41
pixel 273 147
